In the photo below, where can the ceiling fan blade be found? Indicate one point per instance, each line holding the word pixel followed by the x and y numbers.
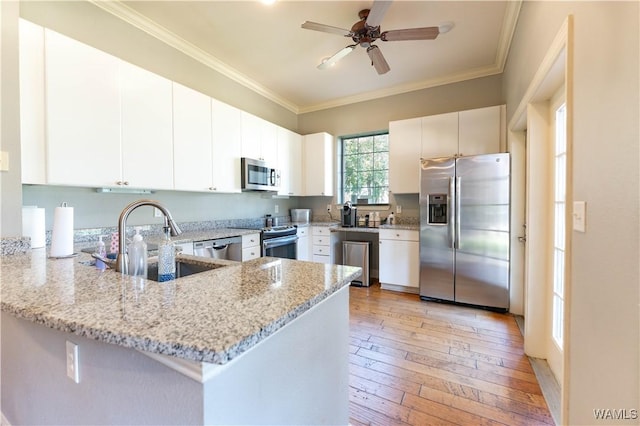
pixel 308 25
pixel 377 60
pixel 335 58
pixel 377 12
pixel 426 33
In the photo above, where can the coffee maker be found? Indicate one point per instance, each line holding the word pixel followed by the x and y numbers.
pixel 349 215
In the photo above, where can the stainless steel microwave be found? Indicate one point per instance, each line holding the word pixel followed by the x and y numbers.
pixel 258 176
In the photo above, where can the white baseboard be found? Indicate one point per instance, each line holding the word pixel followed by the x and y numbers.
pixel 401 288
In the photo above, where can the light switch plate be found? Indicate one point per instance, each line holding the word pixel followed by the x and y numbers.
pixel 398 209
pixel 4 161
pixel 579 216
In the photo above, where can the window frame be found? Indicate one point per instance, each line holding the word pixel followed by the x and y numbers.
pixel 341 166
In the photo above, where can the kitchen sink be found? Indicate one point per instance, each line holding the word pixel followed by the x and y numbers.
pixel 183 269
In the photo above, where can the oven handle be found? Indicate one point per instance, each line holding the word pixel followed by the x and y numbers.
pixel 279 242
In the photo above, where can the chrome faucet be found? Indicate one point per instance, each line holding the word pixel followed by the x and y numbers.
pixel 122 262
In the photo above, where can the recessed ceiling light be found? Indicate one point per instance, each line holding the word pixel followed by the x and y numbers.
pixel 268 2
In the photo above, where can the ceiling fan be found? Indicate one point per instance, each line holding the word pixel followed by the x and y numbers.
pixel 367 30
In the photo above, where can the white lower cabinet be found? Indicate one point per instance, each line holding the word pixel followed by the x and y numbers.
pixel 303 244
pixel 251 247
pixel 399 262
pixel 321 244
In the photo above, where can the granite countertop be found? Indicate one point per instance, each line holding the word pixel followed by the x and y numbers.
pixel 211 317
pixel 204 235
pixel 338 228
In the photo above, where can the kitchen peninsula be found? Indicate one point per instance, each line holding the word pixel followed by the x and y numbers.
pixel 264 341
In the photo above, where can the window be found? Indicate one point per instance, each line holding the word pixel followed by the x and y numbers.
pixel 560 160
pixel 365 169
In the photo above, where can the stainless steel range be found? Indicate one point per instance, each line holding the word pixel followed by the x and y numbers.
pixel 280 241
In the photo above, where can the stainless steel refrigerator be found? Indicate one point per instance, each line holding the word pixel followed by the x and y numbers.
pixel 464 230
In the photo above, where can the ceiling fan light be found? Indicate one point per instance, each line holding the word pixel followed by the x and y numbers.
pixel 445 27
pixel 328 62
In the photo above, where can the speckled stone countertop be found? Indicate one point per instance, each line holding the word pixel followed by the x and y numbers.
pixel 205 235
pixel 335 227
pixel 407 227
pixel 212 316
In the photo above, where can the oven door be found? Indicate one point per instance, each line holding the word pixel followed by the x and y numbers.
pixel 285 247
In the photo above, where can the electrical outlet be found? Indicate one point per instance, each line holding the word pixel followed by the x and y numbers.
pixel 329 207
pixel 72 362
pixel 157 212
pixel 276 209
pixel 398 209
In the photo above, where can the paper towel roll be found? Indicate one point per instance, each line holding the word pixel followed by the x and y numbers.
pixel 62 234
pixel 33 225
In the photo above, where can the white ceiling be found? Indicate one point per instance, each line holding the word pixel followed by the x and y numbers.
pixel 263 47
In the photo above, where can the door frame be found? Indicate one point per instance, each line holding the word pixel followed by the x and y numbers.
pixel 555 70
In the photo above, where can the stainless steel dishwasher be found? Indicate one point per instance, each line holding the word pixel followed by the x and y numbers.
pixel 220 248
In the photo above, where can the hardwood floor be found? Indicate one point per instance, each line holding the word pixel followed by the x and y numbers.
pixel 425 363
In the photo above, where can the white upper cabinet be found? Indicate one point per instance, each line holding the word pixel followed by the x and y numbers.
pixel 290 162
pixel 138 129
pixel 259 139
pixel 147 129
pixel 192 147
pixel 32 131
pixel 82 114
pixel 227 143
pixel 251 136
pixel 464 133
pixel 472 132
pixel 269 142
pixel 405 139
pixel 318 164
pixel 480 131
pixel 118 113
pixel 440 135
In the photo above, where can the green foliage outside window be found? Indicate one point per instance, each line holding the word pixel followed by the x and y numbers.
pixel 365 169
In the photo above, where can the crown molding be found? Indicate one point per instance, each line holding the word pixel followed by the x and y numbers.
pixel 125 13
pixel 398 90
pixel 508 30
pixel 145 24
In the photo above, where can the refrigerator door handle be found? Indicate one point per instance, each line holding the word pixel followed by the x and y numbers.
pixel 457 214
pixel 450 214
